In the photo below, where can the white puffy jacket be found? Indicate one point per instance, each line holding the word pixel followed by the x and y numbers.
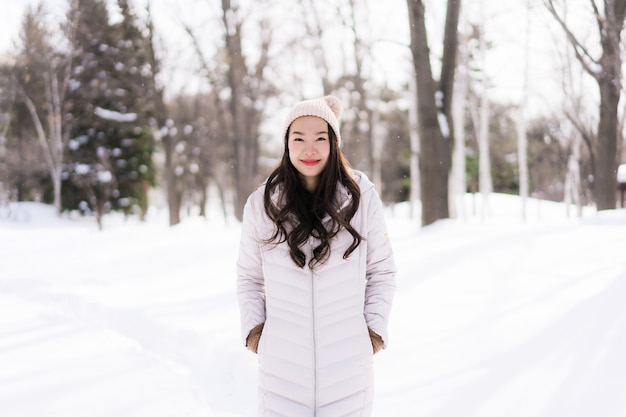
pixel 315 354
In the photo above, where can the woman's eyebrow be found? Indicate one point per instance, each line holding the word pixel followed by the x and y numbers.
pixel 318 133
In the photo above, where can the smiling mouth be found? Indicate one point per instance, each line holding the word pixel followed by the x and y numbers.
pixel 310 162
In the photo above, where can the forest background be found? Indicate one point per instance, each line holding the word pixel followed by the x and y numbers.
pixel 118 105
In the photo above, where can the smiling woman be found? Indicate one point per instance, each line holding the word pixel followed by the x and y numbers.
pixel 309 147
pixel 316 274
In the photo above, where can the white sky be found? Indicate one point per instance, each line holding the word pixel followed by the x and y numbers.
pixel 505 27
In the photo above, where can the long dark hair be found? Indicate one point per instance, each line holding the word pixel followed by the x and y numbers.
pixel 296 220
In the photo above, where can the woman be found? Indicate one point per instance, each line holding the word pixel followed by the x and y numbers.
pixel 315 274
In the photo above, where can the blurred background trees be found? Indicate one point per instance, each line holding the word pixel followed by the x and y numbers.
pixel 92 122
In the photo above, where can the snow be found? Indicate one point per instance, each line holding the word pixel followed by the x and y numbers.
pixel 105 176
pixel 621 174
pixel 492 318
pixel 114 115
pixel 82 169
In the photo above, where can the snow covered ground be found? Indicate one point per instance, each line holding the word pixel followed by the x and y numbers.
pixel 493 317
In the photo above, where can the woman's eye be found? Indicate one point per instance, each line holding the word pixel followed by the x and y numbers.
pixel 321 139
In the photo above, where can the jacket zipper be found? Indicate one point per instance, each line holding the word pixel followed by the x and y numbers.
pixel 314 330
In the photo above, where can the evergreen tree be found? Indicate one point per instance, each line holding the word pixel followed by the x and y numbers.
pixel 132 79
pixel 111 146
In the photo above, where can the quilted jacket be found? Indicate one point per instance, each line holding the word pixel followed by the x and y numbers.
pixel 315 353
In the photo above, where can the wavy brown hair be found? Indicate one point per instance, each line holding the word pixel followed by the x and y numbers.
pixel 296 220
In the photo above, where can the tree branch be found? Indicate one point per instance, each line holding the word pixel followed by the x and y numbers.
pixel 41 135
pixel 448 61
pixel 599 20
pixel 581 52
pixel 196 45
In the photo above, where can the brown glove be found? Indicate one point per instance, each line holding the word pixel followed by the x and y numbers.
pixel 377 341
pixel 252 341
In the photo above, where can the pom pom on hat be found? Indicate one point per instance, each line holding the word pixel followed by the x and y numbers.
pixel 335 105
pixel 328 108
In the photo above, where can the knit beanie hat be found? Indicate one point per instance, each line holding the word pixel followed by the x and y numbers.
pixel 328 108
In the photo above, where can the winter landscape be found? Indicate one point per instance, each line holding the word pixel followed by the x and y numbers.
pixel 494 316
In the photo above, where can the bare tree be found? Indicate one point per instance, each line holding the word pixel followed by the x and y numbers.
pixel 315 31
pixel 39 60
pixel 248 94
pixel 522 138
pixel 245 146
pixel 434 107
pixel 458 178
pixel 163 126
pixel 245 93
pixel 193 134
pixel 360 121
pixel 606 70
pixel 52 142
pixel 5 122
pixel 414 138
pixel 98 185
pixel 364 121
pixel 577 133
pixel 480 111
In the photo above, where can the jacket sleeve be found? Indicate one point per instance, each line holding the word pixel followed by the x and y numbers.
pixel 250 283
pixel 380 270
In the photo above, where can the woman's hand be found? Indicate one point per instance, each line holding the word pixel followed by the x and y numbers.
pixel 252 341
pixel 377 341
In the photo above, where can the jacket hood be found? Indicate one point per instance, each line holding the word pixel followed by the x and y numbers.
pixel 364 183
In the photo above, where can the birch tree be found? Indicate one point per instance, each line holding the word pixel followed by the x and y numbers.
pixel 40 79
pixel 5 120
pixel 522 139
pixel 458 179
pixel 481 115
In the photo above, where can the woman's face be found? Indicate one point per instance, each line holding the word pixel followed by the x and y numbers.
pixel 309 146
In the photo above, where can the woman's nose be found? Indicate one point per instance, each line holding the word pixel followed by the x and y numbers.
pixel 309 147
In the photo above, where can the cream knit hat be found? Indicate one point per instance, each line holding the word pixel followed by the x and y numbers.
pixel 328 108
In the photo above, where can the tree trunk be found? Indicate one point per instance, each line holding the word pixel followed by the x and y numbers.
pixel 315 31
pixel 54 99
pixel 434 109
pixel 174 197
pixel 572 189
pixel 605 181
pixel 458 177
pixel 51 145
pixel 244 146
pixel 522 137
pixel 415 150
pixel 607 71
pixel 609 81
pixel 160 114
